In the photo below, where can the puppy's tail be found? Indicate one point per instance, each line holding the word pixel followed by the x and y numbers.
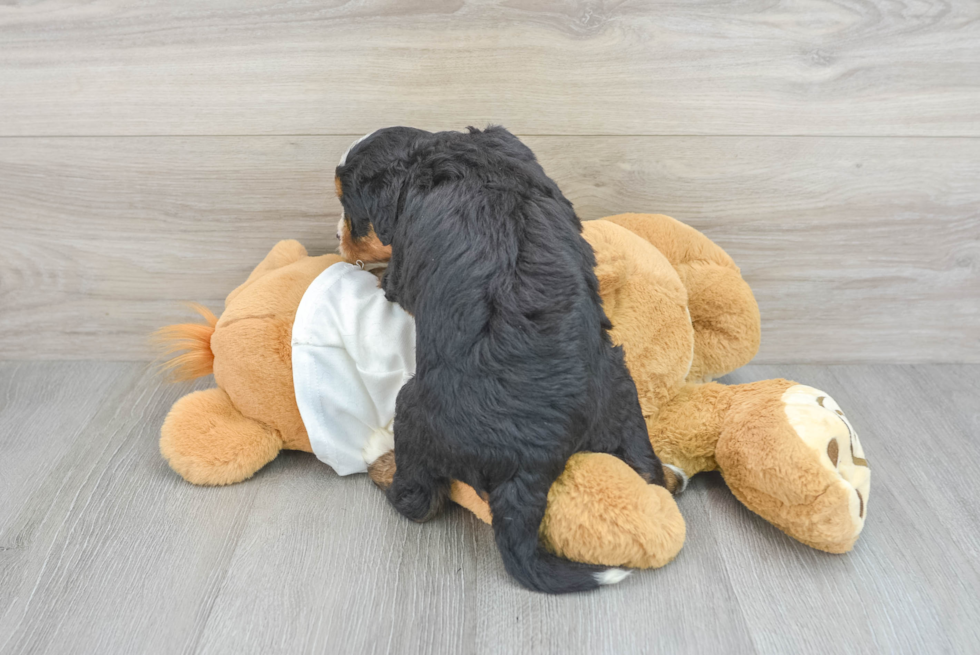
pixel 187 346
pixel 518 507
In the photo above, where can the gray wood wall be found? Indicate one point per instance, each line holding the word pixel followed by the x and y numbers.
pixel 152 151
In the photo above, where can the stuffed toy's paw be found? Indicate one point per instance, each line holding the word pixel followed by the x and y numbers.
pixel 601 512
pixel 208 441
pixel 788 452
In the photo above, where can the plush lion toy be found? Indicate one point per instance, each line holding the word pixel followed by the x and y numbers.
pixel 684 317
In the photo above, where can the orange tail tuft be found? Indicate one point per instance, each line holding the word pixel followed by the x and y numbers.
pixel 193 343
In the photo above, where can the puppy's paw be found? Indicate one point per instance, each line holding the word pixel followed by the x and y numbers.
pixel 382 470
pixel 674 479
pixel 416 501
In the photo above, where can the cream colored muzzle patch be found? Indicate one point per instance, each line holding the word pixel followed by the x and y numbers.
pixel 821 424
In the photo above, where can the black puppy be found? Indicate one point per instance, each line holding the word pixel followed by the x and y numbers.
pixel 515 370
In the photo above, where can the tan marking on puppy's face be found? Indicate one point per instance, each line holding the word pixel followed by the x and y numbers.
pixel 368 249
pixel 340 187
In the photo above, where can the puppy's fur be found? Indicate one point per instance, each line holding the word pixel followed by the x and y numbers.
pixel 515 370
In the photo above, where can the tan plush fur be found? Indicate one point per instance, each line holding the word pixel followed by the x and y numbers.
pixel 208 441
pixel 193 342
pixel 683 314
pixel 222 439
pixel 685 432
pixel 774 472
pixel 599 511
pixel 643 296
pixel 723 309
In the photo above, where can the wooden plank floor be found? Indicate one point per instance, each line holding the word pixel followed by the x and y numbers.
pixel 152 151
pixel 647 67
pixel 104 550
pixel 102 238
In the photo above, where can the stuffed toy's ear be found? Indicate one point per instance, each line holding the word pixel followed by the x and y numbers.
pixel 372 179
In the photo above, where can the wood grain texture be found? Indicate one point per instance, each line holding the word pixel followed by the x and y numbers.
pixel 905 586
pixel 112 553
pixel 106 550
pixel 43 410
pixel 539 66
pixel 858 249
pixel 689 606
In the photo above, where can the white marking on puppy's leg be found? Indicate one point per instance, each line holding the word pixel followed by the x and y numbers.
pixel 611 576
pixel 381 441
pixel 680 476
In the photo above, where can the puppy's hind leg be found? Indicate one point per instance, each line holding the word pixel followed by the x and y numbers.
pixel 416 491
pixel 635 449
pixel 417 495
pixel 628 438
pixel 642 460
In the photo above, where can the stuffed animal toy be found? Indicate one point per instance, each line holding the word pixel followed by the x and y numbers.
pixel 308 356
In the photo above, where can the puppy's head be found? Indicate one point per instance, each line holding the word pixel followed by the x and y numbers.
pixel 378 171
pixel 370 181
